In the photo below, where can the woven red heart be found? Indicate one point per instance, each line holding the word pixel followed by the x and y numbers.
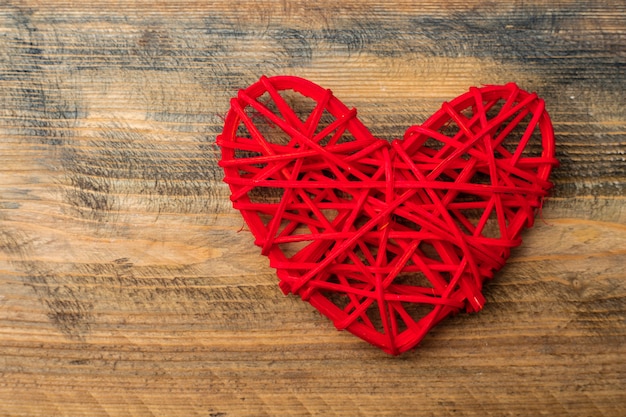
pixel 386 238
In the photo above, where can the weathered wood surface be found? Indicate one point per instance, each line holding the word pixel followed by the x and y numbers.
pixel 126 287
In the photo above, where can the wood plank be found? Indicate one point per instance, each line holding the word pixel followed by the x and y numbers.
pixel 128 287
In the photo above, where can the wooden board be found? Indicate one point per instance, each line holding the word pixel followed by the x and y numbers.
pixel 127 287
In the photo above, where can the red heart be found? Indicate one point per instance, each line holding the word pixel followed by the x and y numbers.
pixel 386 238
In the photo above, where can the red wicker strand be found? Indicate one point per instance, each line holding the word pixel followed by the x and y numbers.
pixel 386 238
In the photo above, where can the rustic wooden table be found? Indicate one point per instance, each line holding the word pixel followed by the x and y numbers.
pixel 126 287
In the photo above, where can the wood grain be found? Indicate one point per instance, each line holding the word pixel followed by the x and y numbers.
pixel 128 288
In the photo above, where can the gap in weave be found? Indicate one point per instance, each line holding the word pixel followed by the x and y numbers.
pixel 481 176
pixel 449 129
pixel 350 177
pixel 347 279
pixel 266 195
pixel 345 137
pixel 404 224
pixel 373 314
pixel 449 175
pixel 463 210
pixel 311 194
pixel 468 112
pixel 492 227
pixel 301 105
pixel 249 169
pixel 533 148
pixel 343 195
pixel 265 218
pixel 473 215
pixel 393 251
pixel 360 221
pixel 309 221
pixel 242 131
pixel 464 216
pixel 413 279
pixel 462 197
pixel 417 311
pixel 429 251
pixel 298 228
pixel 329 214
pixel 292 248
pixel 339 299
pixel 329 199
pixel 367 254
pixel 328 174
pixel 267 128
pixel 494 108
pixel 325 120
pixel 431 146
pixel 524 182
pixel 463 226
pixel 465 156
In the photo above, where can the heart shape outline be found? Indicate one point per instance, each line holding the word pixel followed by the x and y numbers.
pixel 374 211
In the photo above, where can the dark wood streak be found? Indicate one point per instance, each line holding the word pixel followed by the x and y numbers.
pixel 128 285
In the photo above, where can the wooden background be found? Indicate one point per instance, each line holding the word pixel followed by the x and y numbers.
pixel 127 289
